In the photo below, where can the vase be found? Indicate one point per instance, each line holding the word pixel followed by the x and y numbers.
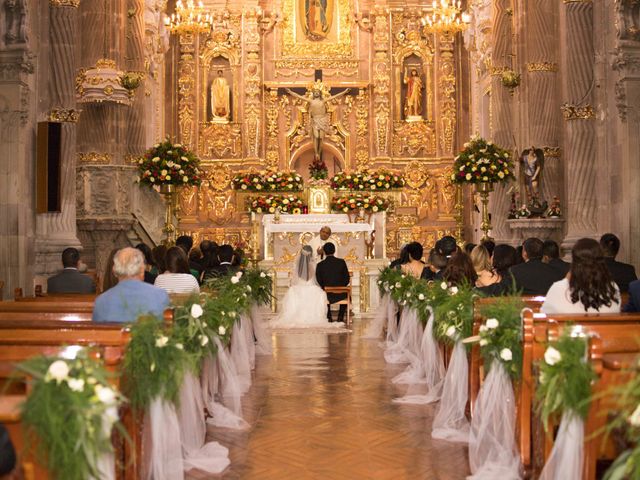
pixel 169 192
pixel 484 188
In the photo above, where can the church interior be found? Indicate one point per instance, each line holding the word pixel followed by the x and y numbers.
pixel 253 124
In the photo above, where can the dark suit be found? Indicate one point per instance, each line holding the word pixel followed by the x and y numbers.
pixel 560 265
pixel 535 277
pixel 333 272
pixel 634 298
pixel 7 452
pixel 622 273
pixel 70 280
pixel 219 271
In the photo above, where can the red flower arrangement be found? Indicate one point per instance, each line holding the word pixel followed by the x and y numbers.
pixel 270 203
pixel 365 180
pixel 167 163
pixel 482 161
pixel 356 201
pixel 268 182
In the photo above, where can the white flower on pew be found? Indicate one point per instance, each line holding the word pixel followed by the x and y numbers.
pixel 179 346
pixel 484 342
pixel 152 367
pixel 162 341
pixel 58 371
pixel 263 275
pixel 552 356
pixel 492 323
pixel 235 280
pixel 76 384
pixel 105 394
pixel 483 328
pixel 222 330
pixel 204 340
pixel 379 282
pixel 421 296
pixel 634 419
pixel 239 274
pixel 408 294
pixel 398 285
pixel 506 355
pixel 111 415
pixel 444 285
pixel 196 310
pixel 248 288
pixel 232 314
pixel 451 331
pixel 453 290
pixel 542 378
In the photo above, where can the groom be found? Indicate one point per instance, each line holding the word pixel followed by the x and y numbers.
pixel 333 272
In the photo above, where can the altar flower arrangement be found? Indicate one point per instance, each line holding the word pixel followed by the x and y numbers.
pixel 168 163
pixel 269 181
pixel 271 203
pixel 482 162
pixel 73 392
pixel 365 180
pixel 356 201
pixel 318 169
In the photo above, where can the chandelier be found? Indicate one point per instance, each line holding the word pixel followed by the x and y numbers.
pixel 189 18
pixel 446 17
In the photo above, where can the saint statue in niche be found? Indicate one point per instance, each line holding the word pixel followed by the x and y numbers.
pixel 531 167
pixel 220 98
pixel 413 97
pixel 317 17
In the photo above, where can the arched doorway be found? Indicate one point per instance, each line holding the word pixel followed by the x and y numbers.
pixel 303 158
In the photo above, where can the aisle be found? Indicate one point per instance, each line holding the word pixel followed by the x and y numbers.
pixel 321 409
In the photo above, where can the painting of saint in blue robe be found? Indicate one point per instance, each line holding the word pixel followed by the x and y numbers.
pixel 316 16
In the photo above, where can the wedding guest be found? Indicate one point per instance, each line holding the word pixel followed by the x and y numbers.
pixel 402 259
pixel 481 261
pixel 504 257
pixel 468 247
pixel 225 262
pixel 588 288
pixel 148 263
pixel 633 305
pixel 519 257
pixel 551 256
pixel 459 270
pixel 158 254
pixel 7 453
pixel 130 297
pixel 414 267
pixel 238 258
pixel 436 265
pixel 109 278
pixel 210 263
pixel 534 277
pixel 70 280
pixel 186 243
pixel 447 246
pixel 177 278
pixel 623 273
pixel 489 245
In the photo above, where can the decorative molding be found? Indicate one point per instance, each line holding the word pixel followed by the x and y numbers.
pixel 321 63
pixel 576 1
pixel 498 71
pixel 64 115
pixel 65 3
pixel 95 157
pixel 577 112
pixel 552 152
pixel 542 67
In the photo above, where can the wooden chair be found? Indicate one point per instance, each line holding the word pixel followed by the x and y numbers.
pixel 346 301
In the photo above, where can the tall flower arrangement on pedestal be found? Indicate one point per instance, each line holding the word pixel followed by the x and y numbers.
pixel 483 164
pixel 168 163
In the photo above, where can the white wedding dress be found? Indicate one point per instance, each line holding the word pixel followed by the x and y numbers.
pixel 305 303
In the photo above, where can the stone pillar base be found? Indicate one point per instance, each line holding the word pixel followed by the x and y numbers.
pixel 542 228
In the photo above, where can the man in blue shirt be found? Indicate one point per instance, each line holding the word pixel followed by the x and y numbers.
pixel 131 297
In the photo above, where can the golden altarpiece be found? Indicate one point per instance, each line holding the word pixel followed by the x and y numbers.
pixel 261 56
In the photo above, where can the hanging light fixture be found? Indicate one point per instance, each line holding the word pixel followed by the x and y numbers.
pixel 103 82
pixel 446 16
pixel 189 18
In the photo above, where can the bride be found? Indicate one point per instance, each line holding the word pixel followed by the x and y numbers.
pixel 305 303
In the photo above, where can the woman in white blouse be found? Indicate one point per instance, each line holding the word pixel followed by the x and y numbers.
pixel 177 278
pixel 588 287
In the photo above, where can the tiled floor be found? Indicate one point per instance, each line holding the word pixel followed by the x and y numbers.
pixel 320 408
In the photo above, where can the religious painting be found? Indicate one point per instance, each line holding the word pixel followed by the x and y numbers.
pixel 317 29
pixel 316 18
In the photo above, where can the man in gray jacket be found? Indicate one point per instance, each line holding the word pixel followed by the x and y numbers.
pixel 70 280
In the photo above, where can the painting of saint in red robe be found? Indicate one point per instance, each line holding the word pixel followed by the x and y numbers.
pixel 317 16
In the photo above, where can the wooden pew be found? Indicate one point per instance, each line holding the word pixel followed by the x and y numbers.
pixel 538 330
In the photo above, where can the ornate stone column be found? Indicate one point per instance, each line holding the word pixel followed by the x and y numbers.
pixel 502 118
pixel 17 149
pixel 542 123
pixel 56 231
pixel 579 116
pixel 381 82
pixel 252 73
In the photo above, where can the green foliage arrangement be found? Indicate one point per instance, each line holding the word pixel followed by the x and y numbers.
pixel 482 161
pixel 565 378
pixel 501 335
pixel 388 276
pixel 168 163
pixel 454 313
pixel 627 465
pixel 71 409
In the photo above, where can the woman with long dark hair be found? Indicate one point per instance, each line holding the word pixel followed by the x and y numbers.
pixel 588 287
pixel 459 270
pixel 177 278
pixel 414 265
